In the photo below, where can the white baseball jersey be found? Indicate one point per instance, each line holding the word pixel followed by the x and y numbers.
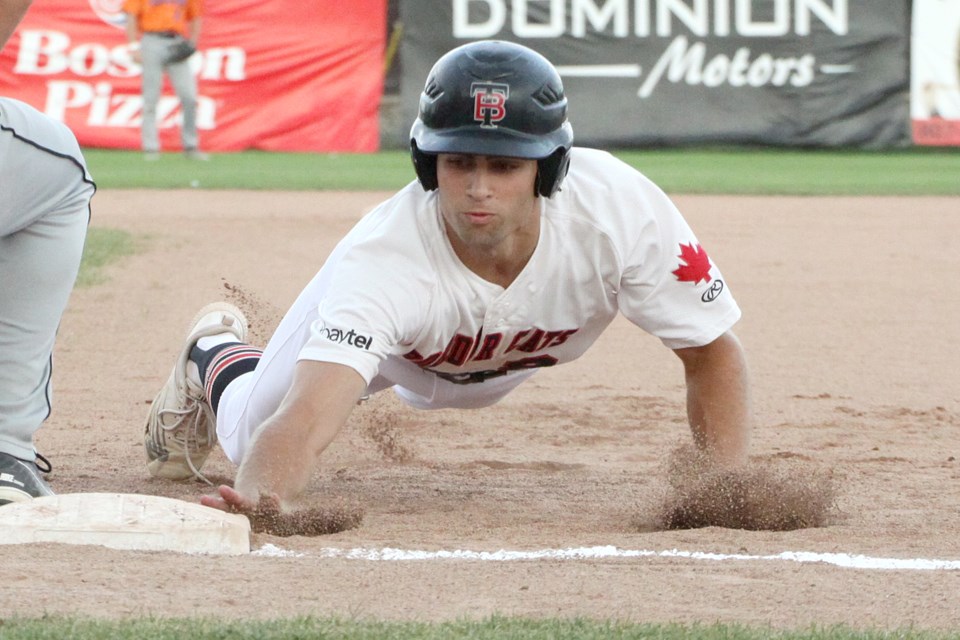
pixel 610 242
pixel 394 302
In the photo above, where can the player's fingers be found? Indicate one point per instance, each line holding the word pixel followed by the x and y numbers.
pixel 229 500
pixel 236 500
pixel 214 502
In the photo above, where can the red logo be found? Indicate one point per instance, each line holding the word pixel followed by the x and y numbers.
pixel 489 100
pixel 695 265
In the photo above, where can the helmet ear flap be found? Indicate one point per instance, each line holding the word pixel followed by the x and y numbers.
pixel 425 165
pixel 550 172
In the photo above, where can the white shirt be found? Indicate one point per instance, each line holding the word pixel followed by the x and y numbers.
pixel 610 242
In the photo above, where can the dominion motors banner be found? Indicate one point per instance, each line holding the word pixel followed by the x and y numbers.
pixel 935 72
pixel 644 72
pixel 285 75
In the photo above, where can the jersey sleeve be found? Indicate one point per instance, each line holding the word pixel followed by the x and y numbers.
pixel 358 330
pixel 670 286
pixel 378 292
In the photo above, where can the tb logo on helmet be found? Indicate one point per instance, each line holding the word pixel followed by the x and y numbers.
pixel 488 102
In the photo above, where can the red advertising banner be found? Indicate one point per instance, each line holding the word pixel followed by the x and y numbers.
pixel 285 75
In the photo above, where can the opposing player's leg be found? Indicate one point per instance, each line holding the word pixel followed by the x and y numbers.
pixel 38 266
pixel 44 212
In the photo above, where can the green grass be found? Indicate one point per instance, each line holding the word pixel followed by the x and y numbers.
pixel 103 247
pixel 793 172
pixel 493 628
pixel 251 170
pixel 705 171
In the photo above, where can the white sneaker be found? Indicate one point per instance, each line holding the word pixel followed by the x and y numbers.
pixel 181 429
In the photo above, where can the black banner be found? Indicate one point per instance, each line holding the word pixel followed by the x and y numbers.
pixel 670 72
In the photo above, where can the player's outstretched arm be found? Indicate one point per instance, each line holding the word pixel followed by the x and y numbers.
pixel 718 398
pixel 285 449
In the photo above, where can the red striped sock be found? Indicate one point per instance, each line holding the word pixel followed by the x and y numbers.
pixel 223 364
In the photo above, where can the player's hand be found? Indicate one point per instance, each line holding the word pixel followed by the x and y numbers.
pixel 232 501
pixel 268 514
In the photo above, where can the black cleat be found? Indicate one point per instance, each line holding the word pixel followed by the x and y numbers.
pixel 20 481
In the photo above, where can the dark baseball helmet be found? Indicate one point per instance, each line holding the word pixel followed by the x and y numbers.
pixel 493 98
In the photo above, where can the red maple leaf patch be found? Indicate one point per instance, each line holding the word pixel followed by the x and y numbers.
pixel 696 265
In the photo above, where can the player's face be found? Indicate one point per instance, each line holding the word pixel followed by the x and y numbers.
pixel 487 200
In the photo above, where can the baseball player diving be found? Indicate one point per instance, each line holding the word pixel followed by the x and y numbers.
pixel 512 251
pixel 45 192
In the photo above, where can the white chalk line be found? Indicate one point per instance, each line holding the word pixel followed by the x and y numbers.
pixel 388 554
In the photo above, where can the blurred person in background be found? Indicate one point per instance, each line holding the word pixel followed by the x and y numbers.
pixel 162 35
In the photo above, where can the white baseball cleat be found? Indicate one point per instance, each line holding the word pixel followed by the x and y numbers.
pixel 181 429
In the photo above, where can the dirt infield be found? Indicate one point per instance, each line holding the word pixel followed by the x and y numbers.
pixel 851 327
